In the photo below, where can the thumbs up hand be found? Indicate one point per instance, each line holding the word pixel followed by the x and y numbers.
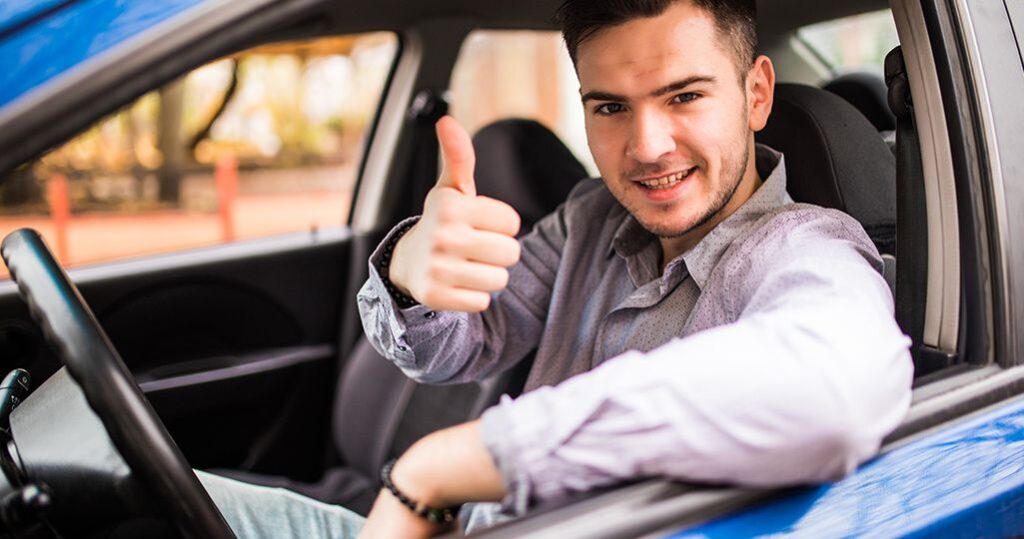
pixel 459 251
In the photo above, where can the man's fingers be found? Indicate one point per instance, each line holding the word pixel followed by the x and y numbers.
pixel 457 299
pixel 469 275
pixel 480 246
pixel 494 215
pixel 458 154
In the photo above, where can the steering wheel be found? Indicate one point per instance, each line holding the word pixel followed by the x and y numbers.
pixel 136 431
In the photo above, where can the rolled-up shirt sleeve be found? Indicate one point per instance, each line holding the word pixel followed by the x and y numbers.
pixel 801 388
pixel 455 347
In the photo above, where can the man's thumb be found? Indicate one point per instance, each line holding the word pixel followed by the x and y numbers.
pixel 458 154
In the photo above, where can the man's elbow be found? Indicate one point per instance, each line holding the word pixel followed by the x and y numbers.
pixel 840 449
pixel 854 434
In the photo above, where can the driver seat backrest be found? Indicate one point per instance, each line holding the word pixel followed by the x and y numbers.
pixel 837 159
pixel 378 411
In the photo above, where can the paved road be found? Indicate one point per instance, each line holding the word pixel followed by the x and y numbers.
pixel 103 237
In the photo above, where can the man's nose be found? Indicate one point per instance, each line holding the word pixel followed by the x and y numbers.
pixel 651 138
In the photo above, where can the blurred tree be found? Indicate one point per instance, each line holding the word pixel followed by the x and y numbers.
pixel 21 189
pixel 169 141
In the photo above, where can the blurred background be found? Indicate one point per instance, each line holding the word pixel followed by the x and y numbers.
pixel 267 141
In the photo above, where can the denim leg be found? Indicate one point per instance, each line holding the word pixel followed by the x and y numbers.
pixel 256 512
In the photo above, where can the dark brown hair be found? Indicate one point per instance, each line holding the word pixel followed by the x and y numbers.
pixel 734 20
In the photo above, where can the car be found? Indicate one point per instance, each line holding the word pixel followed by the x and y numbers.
pixel 245 356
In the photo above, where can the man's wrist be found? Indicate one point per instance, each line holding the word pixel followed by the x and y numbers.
pixel 426 511
pixel 386 268
pixel 413 475
pixel 394 269
pixel 448 468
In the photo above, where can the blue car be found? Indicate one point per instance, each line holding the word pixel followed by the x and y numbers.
pixel 192 189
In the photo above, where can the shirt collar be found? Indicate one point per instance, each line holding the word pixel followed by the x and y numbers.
pixel 630 238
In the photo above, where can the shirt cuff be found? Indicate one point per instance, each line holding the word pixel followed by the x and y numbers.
pixel 527 439
pixel 518 435
pixel 389 325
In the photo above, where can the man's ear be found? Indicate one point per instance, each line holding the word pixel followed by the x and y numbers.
pixel 760 92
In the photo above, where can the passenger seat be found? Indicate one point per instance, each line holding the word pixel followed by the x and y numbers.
pixel 835 158
pixel 868 94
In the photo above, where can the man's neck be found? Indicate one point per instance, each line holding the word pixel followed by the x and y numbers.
pixel 675 246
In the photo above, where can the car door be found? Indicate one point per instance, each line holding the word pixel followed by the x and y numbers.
pixel 232 330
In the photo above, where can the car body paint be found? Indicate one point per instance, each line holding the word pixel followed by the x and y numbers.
pixel 43 50
pixel 963 480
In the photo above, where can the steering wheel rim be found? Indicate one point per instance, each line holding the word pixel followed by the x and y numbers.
pixel 80 342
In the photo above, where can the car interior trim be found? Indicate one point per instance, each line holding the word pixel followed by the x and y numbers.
pixel 977 345
pixel 380 155
pixel 630 511
pixel 249 364
pixel 941 327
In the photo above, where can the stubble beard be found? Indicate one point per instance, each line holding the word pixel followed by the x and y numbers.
pixel 720 198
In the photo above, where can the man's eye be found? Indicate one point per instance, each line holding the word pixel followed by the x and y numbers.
pixel 685 97
pixel 608 109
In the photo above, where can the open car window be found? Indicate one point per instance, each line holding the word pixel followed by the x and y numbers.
pixel 856 43
pixel 264 142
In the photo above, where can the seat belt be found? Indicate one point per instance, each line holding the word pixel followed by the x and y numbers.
pixel 911 215
pixel 427 108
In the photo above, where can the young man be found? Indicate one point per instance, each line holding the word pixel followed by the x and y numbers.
pixel 690 320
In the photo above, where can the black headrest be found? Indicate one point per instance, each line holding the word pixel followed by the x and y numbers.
pixel 526 165
pixel 867 93
pixel 834 158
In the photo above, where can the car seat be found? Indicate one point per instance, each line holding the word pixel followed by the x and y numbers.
pixel 379 412
pixel 836 158
pixel 868 94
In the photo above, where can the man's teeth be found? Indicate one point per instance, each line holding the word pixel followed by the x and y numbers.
pixel 666 181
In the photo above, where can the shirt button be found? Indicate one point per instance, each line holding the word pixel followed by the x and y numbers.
pixel 430 315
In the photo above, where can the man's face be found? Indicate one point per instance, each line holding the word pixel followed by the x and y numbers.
pixel 668 117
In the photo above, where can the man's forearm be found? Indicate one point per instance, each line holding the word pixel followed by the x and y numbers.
pixel 799 392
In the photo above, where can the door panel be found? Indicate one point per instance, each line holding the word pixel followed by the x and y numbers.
pixel 234 346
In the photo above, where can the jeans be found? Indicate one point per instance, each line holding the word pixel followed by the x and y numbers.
pixel 256 512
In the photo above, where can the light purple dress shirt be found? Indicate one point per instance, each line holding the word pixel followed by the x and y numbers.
pixel 767 355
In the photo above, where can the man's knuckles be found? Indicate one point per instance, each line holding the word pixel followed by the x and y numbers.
pixel 495 215
pixel 448 298
pixel 449 239
pixel 450 206
pixel 447 271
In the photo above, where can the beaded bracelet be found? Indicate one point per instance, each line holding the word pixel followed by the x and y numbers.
pixel 384 268
pixel 436 516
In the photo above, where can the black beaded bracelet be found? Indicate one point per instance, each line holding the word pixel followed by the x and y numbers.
pixel 436 516
pixel 384 268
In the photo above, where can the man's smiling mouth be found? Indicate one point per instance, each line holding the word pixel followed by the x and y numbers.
pixel 667 181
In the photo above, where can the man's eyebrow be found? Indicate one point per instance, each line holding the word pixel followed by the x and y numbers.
pixel 668 88
pixel 601 96
pixel 681 84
